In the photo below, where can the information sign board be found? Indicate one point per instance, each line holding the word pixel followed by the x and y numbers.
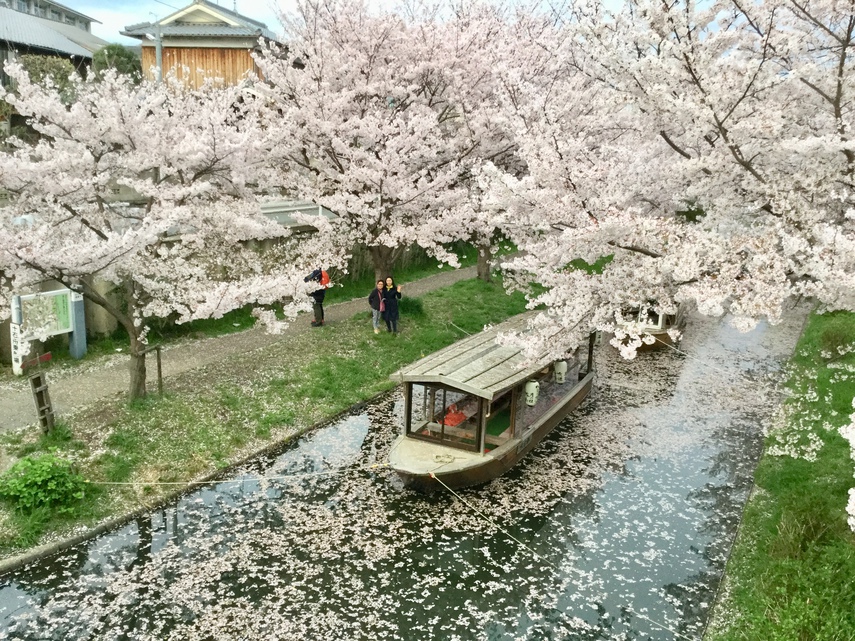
pixel 39 316
pixel 45 314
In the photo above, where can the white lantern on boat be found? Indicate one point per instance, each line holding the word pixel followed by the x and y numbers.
pixel 560 368
pixel 532 389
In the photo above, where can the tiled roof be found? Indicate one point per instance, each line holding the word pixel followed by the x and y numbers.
pixel 282 211
pixel 25 30
pixel 246 27
pixel 85 39
pixel 74 11
pixel 190 30
pixel 233 14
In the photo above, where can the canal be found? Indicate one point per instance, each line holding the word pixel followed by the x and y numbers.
pixel 617 527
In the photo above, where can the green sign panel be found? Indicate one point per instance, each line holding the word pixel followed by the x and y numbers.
pixel 46 314
pixel 62 311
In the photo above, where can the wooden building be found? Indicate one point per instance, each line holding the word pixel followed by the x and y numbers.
pixel 202 40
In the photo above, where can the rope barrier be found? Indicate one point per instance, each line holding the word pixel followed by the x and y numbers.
pixel 460 328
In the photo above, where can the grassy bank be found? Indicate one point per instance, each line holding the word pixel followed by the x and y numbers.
pixel 792 573
pixel 220 413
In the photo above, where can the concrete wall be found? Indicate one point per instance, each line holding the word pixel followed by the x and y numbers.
pixel 98 321
pixel 5 344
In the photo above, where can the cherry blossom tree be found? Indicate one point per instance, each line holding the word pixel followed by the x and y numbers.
pixel 181 247
pixel 740 114
pixel 704 150
pixel 375 119
pixel 500 52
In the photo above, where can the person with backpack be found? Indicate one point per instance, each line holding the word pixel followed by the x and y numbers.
pixel 391 296
pixel 323 279
pixel 377 305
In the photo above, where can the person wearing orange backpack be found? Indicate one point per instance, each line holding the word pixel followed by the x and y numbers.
pixel 323 279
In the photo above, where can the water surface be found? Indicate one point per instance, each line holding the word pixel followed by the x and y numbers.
pixel 616 527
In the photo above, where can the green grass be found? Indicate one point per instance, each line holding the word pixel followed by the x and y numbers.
pixel 792 572
pixel 215 416
pixel 596 267
pixel 60 437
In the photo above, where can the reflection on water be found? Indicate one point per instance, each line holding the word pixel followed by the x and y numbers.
pixel 623 518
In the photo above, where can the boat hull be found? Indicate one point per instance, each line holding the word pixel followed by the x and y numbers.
pixel 663 340
pixel 490 466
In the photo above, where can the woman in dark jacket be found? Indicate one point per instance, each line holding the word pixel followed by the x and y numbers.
pixel 374 299
pixel 391 296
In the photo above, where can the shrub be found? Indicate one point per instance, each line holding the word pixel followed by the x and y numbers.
pixel 51 71
pixel 412 307
pixel 120 58
pixel 40 481
pixel 835 339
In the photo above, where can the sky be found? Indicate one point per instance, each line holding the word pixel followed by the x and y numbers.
pixel 115 15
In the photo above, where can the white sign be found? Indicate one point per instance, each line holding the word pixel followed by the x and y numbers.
pixel 46 314
pixel 38 316
pixel 18 348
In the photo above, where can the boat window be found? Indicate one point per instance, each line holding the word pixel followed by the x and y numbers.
pixel 550 392
pixel 445 415
pixel 500 427
pixel 650 317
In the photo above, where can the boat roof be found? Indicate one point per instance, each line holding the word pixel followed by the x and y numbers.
pixel 477 364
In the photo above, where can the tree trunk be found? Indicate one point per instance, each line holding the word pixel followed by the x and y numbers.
pixel 485 256
pixel 137 364
pixel 382 258
pixel 137 370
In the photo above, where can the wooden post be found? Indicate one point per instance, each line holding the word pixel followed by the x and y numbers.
pixel 159 373
pixel 483 408
pixel 591 340
pixel 44 409
pixel 156 348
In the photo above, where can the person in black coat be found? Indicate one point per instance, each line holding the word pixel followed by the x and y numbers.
pixel 374 300
pixel 391 296
pixel 321 277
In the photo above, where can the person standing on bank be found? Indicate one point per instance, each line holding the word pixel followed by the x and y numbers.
pixel 391 296
pixel 323 279
pixel 375 301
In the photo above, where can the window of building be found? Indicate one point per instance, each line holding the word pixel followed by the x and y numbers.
pixel 24 6
pixel 55 15
pixel 70 20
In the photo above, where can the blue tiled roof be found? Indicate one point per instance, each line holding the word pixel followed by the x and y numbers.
pixel 190 30
pixel 22 29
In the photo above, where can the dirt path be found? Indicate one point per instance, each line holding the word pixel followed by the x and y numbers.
pixel 79 386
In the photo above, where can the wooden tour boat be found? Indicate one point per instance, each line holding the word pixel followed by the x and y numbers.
pixel 650 322
pixel 471 411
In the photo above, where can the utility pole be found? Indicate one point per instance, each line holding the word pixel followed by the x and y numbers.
pixel 158 49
